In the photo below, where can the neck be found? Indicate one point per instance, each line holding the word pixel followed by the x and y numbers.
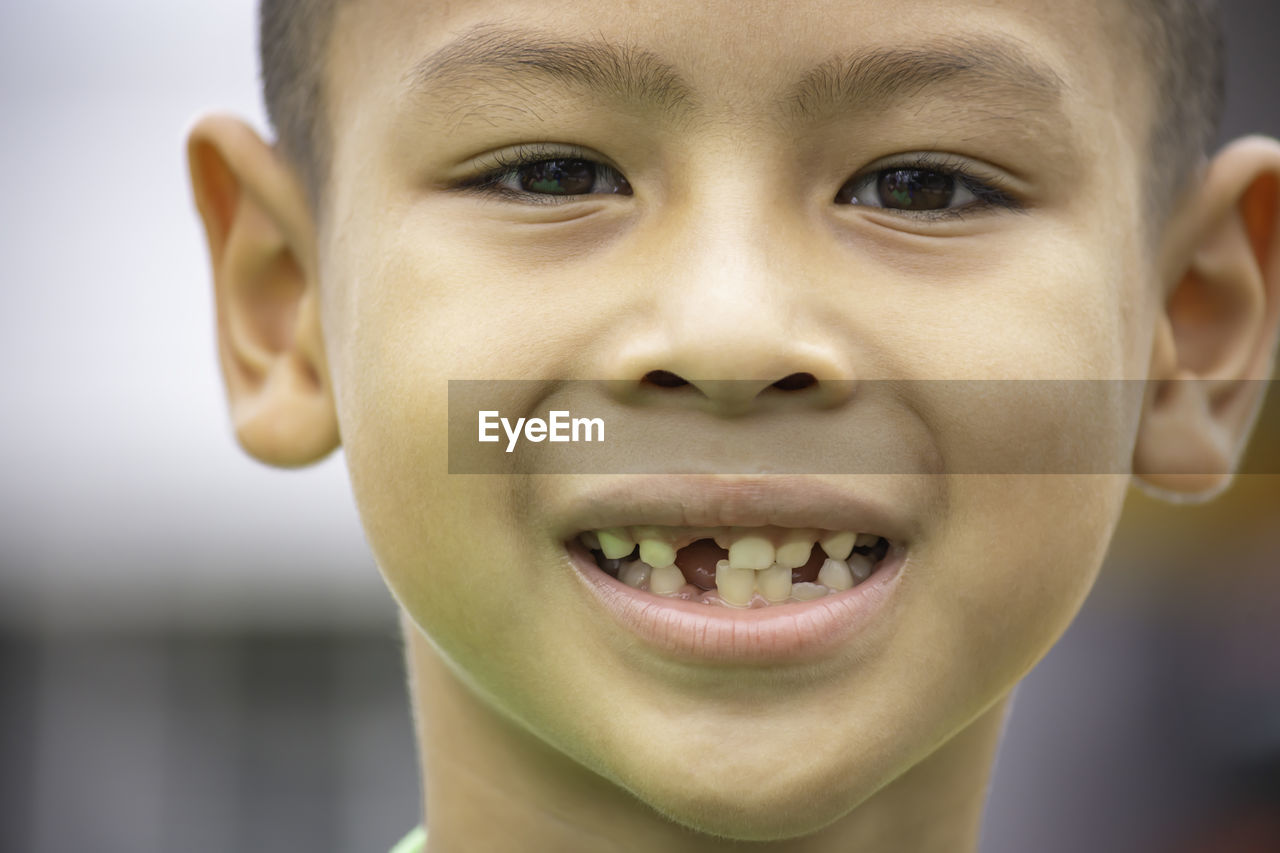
pixel 492 785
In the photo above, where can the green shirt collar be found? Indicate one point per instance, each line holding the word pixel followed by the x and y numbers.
pixel 414 842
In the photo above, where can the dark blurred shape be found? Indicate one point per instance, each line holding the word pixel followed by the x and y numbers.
pixel 1249 821
pixel 252 741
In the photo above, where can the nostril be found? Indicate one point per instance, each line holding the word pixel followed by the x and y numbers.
pixel 663 379
pixel 796 382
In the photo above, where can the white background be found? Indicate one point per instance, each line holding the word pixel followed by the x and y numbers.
pixel 124 497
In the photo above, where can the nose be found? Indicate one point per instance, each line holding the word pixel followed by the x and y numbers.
pixel 732 396
pixel 733 324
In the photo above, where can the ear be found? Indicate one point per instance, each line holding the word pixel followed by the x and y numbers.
pixel 262 248
pixel 1216 337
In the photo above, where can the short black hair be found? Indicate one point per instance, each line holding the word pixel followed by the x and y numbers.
pixel 1179 40
pixel 1182 43
pixel 293 41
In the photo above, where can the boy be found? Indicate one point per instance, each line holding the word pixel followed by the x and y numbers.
pixel 744 215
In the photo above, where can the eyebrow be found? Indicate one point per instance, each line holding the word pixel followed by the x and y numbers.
pixel 504 56
pixel 986 67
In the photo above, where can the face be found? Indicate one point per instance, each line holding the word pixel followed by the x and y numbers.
pixel 832 194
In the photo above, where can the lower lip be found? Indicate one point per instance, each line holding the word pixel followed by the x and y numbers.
pixel 780 634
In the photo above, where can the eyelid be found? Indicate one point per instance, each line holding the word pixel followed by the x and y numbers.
pixel 491 168
pixel 992 191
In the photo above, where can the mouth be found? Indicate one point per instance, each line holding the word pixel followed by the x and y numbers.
pixel 736 567
pixel 741 570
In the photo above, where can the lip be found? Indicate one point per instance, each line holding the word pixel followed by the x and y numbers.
pixel 790 633
pixel 718 501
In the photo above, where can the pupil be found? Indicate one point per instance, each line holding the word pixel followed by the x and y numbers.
pixel 915 189
pixel 560 177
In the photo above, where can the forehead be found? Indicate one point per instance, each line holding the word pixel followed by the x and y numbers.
pixel 739 45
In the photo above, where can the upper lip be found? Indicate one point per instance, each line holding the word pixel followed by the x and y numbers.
pixel 714 501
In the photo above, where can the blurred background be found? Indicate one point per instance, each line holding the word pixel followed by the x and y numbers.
pixel 196 652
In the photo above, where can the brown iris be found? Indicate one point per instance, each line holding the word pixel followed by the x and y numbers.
pixel 558 177
pixel 915 189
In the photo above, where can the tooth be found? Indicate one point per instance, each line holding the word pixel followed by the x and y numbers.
pixel 866 540
pixel 665 580
pixel 751 552
pixel 736 586
pixel 634 573
pixel 807 591
pixel 657 553
pixel 615 543
pixel 838 546
pixel 795 548
pixel 774 582
pixel 793 555
pixel 589 540
pixel 835 574
pixel 722 536
pixel 860 566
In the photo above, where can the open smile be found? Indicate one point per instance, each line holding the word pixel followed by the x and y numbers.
pixel 764 589
pixel 736 567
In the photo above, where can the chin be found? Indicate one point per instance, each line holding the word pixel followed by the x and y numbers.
pixel 796 798
pixel 754 816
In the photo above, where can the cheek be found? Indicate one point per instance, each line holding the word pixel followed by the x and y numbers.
pixel 1004 580
pixel 1029 550
pixel 1037 475
pixel 404 320
pixel 423 300
pixel 1033 421
pixel 388 327
pixel 1043 304
pixel 405 315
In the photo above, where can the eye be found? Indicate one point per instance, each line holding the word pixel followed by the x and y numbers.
pixel 924 187
pixel 535 176
pixel 566 177
pixel 907 189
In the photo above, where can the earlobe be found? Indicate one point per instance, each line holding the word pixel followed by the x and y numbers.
pixel 261 247
pixel 1216 337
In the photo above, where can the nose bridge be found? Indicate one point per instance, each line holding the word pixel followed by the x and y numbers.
pixel 726 234
pixel 729 274
pixel 734 310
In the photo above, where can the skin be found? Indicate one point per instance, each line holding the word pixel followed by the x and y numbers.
pixel 730 260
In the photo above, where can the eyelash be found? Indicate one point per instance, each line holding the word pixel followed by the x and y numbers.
pixel 500 166
pixel 987 190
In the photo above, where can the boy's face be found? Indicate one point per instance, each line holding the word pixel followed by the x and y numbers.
pixel 731 252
